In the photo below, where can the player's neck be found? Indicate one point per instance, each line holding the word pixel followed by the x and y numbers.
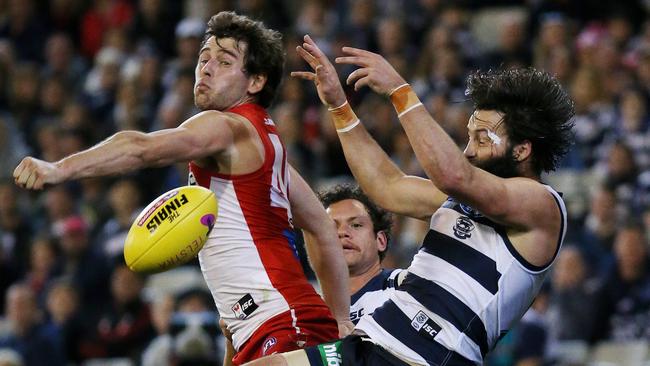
pixel 357 281
pixel 244 100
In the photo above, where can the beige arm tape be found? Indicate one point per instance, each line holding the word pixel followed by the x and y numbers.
pixel 296 358
pixel 344 117
pixel 404 99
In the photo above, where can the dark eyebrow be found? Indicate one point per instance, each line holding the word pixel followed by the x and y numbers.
pixel 206 48
pixel 228 52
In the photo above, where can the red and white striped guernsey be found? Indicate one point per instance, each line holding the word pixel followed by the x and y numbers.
pixel 249 261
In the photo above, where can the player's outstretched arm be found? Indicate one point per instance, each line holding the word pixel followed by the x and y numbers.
pixel 373 169
pixel 323 249
pixel 126 151
pixel 516 202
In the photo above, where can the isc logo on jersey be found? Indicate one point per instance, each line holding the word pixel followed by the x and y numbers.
pixel 356 315
pixel 244 307
pixel 424 325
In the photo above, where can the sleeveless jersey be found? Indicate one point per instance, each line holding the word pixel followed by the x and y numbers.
pixel 372 294
pixel 249 261
pixel 465 288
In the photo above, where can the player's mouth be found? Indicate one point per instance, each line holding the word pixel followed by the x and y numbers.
pixel 202 86
pixel 350 247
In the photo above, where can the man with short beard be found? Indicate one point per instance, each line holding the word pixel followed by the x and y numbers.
pixel 491 243
pixel 249 260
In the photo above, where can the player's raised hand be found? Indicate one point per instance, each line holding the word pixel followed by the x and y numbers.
pixel 323 75
pixel 33 173
pixel 374 71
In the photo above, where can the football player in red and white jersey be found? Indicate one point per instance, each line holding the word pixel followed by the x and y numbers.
pixel 249 262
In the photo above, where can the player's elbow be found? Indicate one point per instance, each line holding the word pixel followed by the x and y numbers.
pixel 452 183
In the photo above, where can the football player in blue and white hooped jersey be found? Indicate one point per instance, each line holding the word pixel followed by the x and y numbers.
pixel 490 244
pixel 364 230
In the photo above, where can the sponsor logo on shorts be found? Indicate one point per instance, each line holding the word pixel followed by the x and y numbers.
pixel 425 325
pixel 244 307
pixel 331 355
pixel 268 343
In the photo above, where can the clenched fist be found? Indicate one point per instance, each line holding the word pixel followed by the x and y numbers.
pixel 33 173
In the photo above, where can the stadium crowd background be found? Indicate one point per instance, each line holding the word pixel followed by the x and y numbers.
pixel 73 72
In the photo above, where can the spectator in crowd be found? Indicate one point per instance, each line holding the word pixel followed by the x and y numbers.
pixel 599 228
pixel 125 201
pixel 572 310
pixel 41 270
pixel 82 264
pixel 188 40
pixel 12 144
pixel 511 50
pixel 9 357
pixel 624 301
pixel 26 30
pixel 62 61
pixel 187 329
pixel 15 231
pixel 123 326
pixel 65 318
pixel 28 336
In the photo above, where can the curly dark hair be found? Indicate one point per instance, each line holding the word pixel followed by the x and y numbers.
pixel 264 54
pixel 382 220
pixel 535 107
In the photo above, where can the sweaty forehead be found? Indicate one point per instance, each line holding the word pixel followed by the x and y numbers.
pixel 227 44
pixel 346 209
pixel 485 119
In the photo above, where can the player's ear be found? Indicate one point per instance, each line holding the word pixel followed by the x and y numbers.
pixel 256 83
pixel 382 241
pixel 522 151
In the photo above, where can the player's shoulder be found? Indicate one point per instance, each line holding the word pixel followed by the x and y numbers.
pixel 207 120
pixel 389 277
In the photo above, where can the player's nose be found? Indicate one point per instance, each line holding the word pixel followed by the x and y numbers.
pixel 469 151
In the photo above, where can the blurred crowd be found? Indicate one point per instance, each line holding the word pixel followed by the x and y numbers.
pixel 74 72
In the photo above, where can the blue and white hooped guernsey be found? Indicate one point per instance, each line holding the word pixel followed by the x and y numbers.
pixel 465 288
pixel 373 294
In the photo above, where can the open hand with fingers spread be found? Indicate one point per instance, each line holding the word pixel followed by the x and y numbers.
pixel 374 71
pixel 33 173
pixel 324 75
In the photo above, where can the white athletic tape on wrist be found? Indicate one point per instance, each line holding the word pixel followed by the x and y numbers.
pixel 397 88
pixel 348 128
pixel 410 109
pixel 339 107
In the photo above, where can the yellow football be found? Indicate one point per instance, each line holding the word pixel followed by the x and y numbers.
pixel 171 230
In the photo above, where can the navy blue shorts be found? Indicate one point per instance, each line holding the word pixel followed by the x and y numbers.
pixel 353 350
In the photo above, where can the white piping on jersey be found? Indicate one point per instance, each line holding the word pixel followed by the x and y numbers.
pixel 294 321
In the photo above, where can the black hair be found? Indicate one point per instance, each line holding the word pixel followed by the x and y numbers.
pixel 535 107
pixel 382 220
pixel 264 51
